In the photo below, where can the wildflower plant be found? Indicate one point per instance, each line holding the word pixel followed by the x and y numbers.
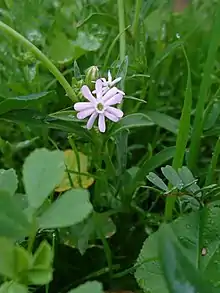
pixel 100 106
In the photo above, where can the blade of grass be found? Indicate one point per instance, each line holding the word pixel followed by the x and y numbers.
pixel 136 17
pixel 121 16
pixel 182 138
pixel 204 88
pixel 213 164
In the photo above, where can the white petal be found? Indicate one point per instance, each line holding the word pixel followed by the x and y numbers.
pixel 115 81
pixel 116 99
pixel 101 123
pixel 82 106
pixel 111 117
pixel 91 120
pixel 110 94
pixel 85 113
pixel 98 88
pixel 114 111
pixel 109 76
pixel 87 94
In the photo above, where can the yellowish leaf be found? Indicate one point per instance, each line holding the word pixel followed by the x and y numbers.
pixel 78 177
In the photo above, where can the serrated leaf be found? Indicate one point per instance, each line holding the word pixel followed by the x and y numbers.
pixel 78 180
pixel 13 222
pixel 42 171
pixel 196 232
pixel 156 180
pixel 89 287
pixel 8 181
pixel 69 209
pixel 172 176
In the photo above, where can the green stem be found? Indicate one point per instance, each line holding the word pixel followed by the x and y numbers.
pixel 50 66
pixel 121 17
pixel 136 17
pixel 182 139
pixel 213 164
pixel 194 150
pixel 32 235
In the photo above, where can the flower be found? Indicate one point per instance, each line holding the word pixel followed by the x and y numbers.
pixel 107 84
pixel 99 107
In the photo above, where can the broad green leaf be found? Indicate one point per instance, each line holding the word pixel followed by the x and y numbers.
pixel 22 102
pixel 69 209
pixel 42 171
pixel 8 181
pixel 77 180
pixel 164 121
pixel 13 287
pixel 131 121
pixel 36 119
pixel 43 256
pixel 7 258
pixel 40 276
pixel 89 287
pixel 22 260
pixel 199 236
pixel 180 275
pixel 172 176
pixel 156 180
pixel 13 222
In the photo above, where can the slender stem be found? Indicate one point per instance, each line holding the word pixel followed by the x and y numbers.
pixel 213 164
pixel 136 17
pixel 182 138
pixel 50 66
pixel 121 16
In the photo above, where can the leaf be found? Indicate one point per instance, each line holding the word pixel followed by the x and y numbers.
pixel 13 222
pixel 122 151
pixel 78 180
pixel 89 287
pixel 187 178
pixel 156 180
pixel 37 276
pixel 43 256
pixel 122 71
pixel 196 232
pixel 13 287
pixel 98 18
pixel 164 121
pixel 172 177
pixel 153 163
pixel 89 230
pixel 8 181
pixel 131 121
pixel 7 258
pixel 22 261
pixel 36 119
pixel 181 276
pixel 22 102
pixel 42 171
pixel 69 209
pixel 65 116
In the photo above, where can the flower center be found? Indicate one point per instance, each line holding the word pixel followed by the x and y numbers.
pixel 100 106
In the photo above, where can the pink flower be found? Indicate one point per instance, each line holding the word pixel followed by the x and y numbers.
pixel 99 107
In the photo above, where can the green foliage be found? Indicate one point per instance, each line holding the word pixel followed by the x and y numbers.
pixel 89 287
pixel 48 172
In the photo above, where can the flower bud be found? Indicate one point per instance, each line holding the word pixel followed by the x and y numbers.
pixel 92 74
